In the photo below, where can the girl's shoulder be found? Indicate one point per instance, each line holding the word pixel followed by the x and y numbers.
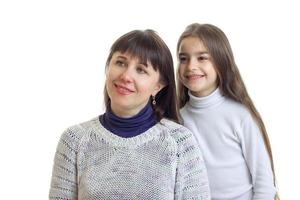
pixel 235 108
pixel 239 115
pixel 228 107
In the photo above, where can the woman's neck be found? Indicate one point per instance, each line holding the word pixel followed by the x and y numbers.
pixel 126 112
pixel 129 126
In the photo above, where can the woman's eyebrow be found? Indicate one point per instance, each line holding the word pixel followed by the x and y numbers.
pixel 122 57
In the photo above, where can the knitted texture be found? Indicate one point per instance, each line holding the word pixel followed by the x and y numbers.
pixel 162 163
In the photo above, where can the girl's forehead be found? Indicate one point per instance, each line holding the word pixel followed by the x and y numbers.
pixel 192 44
pixel 191 40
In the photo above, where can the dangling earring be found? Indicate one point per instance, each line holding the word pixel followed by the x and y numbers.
pixel 153 100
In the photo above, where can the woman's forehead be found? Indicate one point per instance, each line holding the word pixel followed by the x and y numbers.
pixel 127 55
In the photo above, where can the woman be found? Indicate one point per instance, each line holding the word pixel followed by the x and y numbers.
pixel 135 150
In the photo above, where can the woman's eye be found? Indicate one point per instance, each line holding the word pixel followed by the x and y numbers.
pixel 140 70
pixel 120 63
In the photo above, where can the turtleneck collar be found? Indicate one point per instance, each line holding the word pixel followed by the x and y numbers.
pixel 206 102
pixel 129 127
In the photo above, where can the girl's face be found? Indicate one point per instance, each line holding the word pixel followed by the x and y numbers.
pixel 196 69
pixel 130 84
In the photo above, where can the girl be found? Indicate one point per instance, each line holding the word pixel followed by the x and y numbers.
pixel 135 150
pixel 216 107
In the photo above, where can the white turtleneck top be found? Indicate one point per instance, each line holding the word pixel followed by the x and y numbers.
pixel 238 164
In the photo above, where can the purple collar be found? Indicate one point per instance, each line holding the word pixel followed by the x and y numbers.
pixel 129 127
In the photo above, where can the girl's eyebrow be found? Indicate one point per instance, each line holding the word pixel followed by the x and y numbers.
pixel 202 52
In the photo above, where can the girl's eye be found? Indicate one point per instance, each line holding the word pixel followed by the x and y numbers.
pixel 202 58
pixel 182 59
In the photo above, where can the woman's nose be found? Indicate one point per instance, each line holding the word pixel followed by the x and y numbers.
pixel 126 75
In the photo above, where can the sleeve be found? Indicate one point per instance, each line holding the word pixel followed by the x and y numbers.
pixel 257 159
pixel 191 177
pixel 64 175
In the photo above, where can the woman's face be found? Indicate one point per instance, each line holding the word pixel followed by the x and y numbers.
pixel 130 84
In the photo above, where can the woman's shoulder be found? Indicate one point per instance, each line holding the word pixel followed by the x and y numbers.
pixel 171 125
pixel 183 138
pixel 74 133
pixel 176 130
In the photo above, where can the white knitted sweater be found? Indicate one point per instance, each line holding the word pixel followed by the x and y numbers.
pixel 162 163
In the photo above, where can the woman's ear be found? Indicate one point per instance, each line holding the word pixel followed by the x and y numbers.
pixel 159 86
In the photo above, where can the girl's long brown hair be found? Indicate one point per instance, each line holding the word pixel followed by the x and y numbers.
pixel 229 79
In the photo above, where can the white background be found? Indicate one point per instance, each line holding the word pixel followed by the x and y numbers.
pixel 52 58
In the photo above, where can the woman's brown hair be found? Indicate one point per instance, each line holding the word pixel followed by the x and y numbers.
pixel 229 79
pixel 148 46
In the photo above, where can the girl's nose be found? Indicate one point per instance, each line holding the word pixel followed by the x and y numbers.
pixel 192 65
